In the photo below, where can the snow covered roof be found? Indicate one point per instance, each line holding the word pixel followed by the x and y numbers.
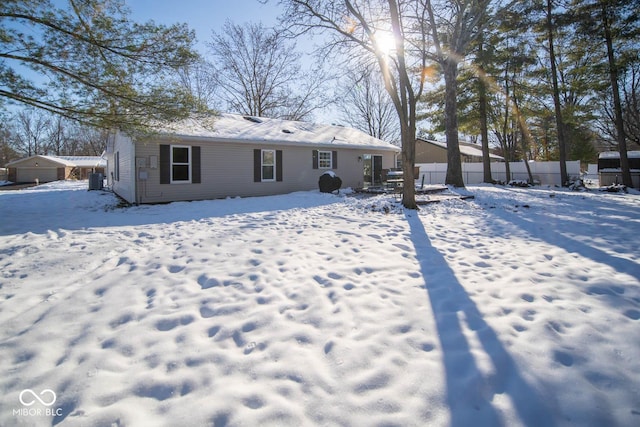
pixel 248 129
pixel 84 161
pixel 616 155
pixel 69 161
pixel 464 149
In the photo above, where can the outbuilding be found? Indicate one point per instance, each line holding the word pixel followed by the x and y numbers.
pixel 43 168
pixel 610 172
pixel 428 151
pixel 231 155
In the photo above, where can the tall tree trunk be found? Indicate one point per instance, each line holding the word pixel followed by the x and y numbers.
pixel 524 156
pixel 617 105
pixel 405 102
pixel 408 136
pixel 482 111
pixel 524 133
pixel 454 163
pixel 556 100
pixel 506 150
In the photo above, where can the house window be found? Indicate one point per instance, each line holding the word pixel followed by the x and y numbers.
pixel 268 165
pixel 324 159
pixel 180 164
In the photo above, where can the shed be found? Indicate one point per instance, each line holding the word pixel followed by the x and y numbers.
pixel 231 155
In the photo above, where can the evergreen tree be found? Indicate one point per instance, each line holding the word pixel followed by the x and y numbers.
pixel 87 61
pixel 616 23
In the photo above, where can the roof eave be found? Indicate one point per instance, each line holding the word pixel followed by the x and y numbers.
pixel 207 138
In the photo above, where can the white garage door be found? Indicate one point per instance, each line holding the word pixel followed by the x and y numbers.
pixel 30 174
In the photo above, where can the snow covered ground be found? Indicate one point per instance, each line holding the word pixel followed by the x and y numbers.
pixel 520 307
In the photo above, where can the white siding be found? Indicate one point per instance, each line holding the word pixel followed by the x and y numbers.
pixel 124 150
pixel 227 171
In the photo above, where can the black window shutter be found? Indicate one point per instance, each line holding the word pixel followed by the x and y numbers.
pixel 165 164
pixel 315 159
pixel 196 177
pixel 117 167
pixel 278 165
pixel 334 159
pixel 257 165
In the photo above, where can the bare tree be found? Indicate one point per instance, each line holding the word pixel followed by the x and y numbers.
pixel 366 105
pixel 31 131
pixel 8 149
pixel 389 34
pixel 631 103
pixel 88 141
pixel 199 79
pixel 57 135
pixel 259 73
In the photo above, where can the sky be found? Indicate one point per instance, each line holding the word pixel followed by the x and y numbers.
pixel 204 16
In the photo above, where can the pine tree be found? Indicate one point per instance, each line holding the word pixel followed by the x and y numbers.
pixel 88 62
pixel 617 24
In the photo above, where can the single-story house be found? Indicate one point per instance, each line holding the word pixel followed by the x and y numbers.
pixel 42 168
pixel 231 155
pixel 428 151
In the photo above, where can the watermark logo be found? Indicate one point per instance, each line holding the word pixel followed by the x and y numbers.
pixel 28 398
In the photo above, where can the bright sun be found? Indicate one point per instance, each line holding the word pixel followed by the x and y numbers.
pixel 385 41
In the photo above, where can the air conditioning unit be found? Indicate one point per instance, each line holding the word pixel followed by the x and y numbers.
pixel 95 181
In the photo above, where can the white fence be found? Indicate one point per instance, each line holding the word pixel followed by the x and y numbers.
pixel 545 173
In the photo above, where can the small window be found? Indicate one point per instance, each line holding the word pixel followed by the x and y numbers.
pixel 324 160
pixel 180 164
pixel 268 165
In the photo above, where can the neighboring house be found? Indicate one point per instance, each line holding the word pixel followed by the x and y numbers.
pixel 232 155
pixel 41 168
pixel 428 151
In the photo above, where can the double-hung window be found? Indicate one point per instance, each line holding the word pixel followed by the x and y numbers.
pixel 180 164
pixel 268 165
pixel 325 160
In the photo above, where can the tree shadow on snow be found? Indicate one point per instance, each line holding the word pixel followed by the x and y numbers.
pixel 556 230
pixel 66 209
pixel 470 391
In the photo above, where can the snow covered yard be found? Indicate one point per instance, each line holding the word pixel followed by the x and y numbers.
pixel 521 307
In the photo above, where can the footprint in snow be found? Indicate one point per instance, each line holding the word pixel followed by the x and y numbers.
pixel 328 347
pixel 563 358
pixel 173 269
pixel 169 324
pixel 632 314
pixel 207 282
pixel 527 297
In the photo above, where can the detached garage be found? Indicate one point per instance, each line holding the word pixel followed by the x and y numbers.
pixel 42 168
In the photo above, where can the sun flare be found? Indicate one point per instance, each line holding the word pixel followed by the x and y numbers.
pixel 384 42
